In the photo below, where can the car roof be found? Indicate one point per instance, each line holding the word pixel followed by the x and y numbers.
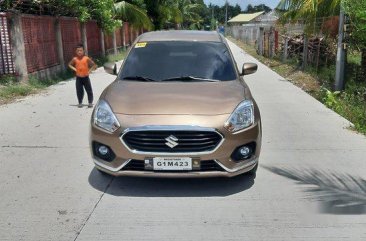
pixel 181 35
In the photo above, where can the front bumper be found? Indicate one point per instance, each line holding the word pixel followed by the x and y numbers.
pixel 220 155
pixel 246 167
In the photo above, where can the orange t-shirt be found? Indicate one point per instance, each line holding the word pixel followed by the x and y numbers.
pixel 82 66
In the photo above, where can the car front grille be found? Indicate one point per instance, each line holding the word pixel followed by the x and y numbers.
pixel 172 141
pixel 206 166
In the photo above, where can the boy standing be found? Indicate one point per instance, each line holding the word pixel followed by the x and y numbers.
pixel 80 64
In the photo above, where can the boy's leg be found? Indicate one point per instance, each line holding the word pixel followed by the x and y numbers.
pixel 79 89
pixel 89 90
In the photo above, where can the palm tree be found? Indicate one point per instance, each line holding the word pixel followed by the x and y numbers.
pixel 136 16
pixel 307 10
pixel 181 13
pixel 169 13
pixel 189 12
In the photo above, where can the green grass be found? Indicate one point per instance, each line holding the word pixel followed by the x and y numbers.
pixel 117 57
pixel 100 61
pixel 350 103
pixel 7 79
pixel 15 90
pixel 10 89
pixel 354 58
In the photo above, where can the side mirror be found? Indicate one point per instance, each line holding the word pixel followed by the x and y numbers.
pixel 110 68
pixel 249 68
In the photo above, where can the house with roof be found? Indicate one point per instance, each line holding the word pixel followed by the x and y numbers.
pixel 255 27
pixel 246 18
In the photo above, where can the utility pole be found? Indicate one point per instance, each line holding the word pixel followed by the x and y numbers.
pixel 212 20
pixel 339 78
pixel 226 16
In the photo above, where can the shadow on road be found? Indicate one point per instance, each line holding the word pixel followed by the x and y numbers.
pixel 168 187
pixel 76 105
pixel 337 193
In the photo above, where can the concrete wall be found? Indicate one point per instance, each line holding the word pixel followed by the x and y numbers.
pixel 48 73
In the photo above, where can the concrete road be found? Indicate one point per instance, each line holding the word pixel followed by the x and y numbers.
pixel 51 191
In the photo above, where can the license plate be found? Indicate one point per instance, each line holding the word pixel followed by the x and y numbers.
pixel 172 163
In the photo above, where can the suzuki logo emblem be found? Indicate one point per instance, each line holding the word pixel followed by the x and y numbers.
pixel 171 141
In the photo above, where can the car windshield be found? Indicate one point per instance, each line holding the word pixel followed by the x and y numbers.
pixel 178 61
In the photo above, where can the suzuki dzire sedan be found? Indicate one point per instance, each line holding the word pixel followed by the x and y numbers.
pixel 179 107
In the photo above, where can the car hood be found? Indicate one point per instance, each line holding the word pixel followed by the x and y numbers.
pixel 174 98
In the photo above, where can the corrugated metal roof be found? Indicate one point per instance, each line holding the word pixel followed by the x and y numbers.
pixel 246 17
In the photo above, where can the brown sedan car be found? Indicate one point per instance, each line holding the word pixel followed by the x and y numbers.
pixel 178 108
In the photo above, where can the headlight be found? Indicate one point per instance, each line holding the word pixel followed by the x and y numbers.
pixel 242 117
pixel 104 117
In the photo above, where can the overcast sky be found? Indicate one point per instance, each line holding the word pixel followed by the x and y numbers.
pixel 244 3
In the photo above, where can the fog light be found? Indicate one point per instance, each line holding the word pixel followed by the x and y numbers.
pixel 245 151
pixel 103 150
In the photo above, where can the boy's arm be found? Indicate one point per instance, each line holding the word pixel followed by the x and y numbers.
pixel 93 65
pixel 71 65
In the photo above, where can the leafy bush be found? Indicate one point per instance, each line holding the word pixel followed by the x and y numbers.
pixel 351 104
pixel 7 79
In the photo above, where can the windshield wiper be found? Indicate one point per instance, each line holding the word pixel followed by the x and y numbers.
pixel 190 78
pixel 139 78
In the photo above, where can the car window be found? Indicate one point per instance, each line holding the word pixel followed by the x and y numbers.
pixel 171 59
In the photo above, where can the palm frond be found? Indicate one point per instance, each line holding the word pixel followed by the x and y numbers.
pixel 307 10
pixel 132 14
pixel 339 190
pixel 175 15
pixel 283 5
pixel 181 12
